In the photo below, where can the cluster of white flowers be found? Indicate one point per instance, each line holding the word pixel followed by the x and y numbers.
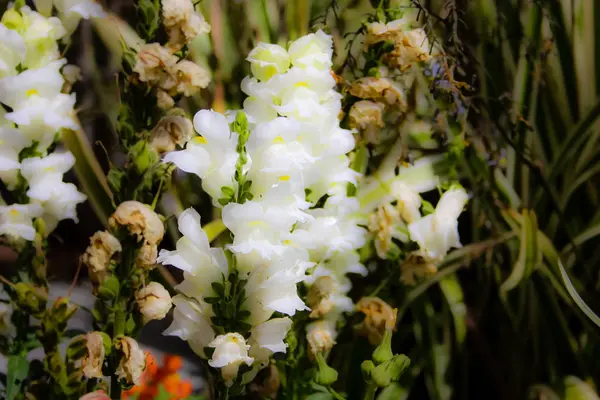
pixel 295 156
pixel 31 85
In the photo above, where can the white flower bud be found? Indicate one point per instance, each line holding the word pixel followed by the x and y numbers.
pixel 230 352
pixel 140 220
pixel 267 60
pixel 133 360
pixel 94 358
pixel 153 301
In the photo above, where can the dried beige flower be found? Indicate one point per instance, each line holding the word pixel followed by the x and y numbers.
pixel 379 316
pixel 182 22
pixel 382 224
pixel 320 336
pixel 171 130
pixel 379 89
pixel 72 74
pixel 97 256
pixel 140 220
pixel 164 100
pixel 416 267
pixel 146 256
pixel 319 296
pixel 94 358
pixel 153 301
pixel 189 78
pixel 366 113
pixel 133 361
pixel 152 61
pixel 410 47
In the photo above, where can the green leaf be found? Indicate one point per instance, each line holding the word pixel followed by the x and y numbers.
pixel 18 367
pixel 529 253
pixel 89 173
pixel 454 296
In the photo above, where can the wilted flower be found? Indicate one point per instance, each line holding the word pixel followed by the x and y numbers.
pixel 102 248
pixel 409 47
pixel 164 101
pixel 379 89
pixel 140 220
pixel 409 201
pixel 7 328
pixel 94 359
pixel 72 74
pixel 146 256
pixel 152 61
pixel 171 130
pixel 319 296
pixel 230 352
pixel 379 316
pixel 380 32
pixel 416 267
pixel 385 223
pixel 182 22
pixel 133 360
pixel 267 60
pixel 367 116
pixel 153 301
pixel 320 336
pixel 189 78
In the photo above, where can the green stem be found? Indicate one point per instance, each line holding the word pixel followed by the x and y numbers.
pixel 370 392
pixel 336 394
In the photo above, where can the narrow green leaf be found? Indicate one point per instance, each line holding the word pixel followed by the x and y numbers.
pixel 89 173
pixel 18 367
pixel 529 253
pixel 578 300
pixel 454 296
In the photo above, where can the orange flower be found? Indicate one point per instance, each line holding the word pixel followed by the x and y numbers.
pixel 165 376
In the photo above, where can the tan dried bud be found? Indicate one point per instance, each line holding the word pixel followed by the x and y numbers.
pixel 384 224
pixel 152 61
pixel 367 116
pixel 146 256
pixel 140 220
pixel 164 101
pixel 153 301
pixel 187 78
pixel 94 358
pixel 380 32
pixel 103 246
pixel 72 74
pixel 320 336
pixel 133 360
pixel 379 316
pixel 416 267
pixel 319 296
pixel 171 130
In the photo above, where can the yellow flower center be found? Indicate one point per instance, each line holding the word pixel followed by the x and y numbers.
pixel 284 178
pixel 14 212
pixel 31 92
pixel 199 140
pixel 278 140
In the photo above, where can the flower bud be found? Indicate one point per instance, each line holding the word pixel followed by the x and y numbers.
pixel 28 300
pixel 153 301
pixel 164 101
pixel 146 257
pixel 267 60
pixel 379 316
pixel 390 371
pixel 383 352
pixel 140 220
pixel 312 50
pixel 230 352
pixel 171 130
pixel 133 360
pixel 109 289
pixel 95 351
pixel 367 368
pixel 325 374
pixel 367 116
pixel 320 336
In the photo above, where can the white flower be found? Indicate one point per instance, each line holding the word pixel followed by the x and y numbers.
pixel 409 201
pixel 312 50
pixel 230 352
pixel 191 322
pixel 438 232
pixel 40 35
pixel 7 328
pixel 202 265
pixel 16 220
pixel 267 60
pixel 211 156
pixel 46 81
pixel 267 338
pixel 62 205
pixel 72 11
pixel 11 143
pixel 12 51
pixel 153 301
pixel 45 175
pixel 133 360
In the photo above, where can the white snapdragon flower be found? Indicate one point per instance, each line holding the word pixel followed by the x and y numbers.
pixel 212 156
pixel 191 322
pixel 267 60
pixel 16 220
pixel 312 50
pixel 45 175
pixel 267 338
pixel 46 81
pixel 409 201
pixel 12 51
pixel 231 351
pixel 11 143
pixel 72 11
pixel 62 205
pixel 438 232
pixel 201 264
